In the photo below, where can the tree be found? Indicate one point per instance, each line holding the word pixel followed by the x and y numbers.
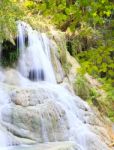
pixel 9 13
pixel 69 13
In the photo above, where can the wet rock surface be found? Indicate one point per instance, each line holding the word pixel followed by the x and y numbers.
pixel 49 146
pixel 34 115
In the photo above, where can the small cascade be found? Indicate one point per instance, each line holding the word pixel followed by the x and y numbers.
pixel 75 109
pixel 34 48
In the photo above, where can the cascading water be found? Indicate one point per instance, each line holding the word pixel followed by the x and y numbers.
pixel 4 138
pixel 34 61
pixel 35 64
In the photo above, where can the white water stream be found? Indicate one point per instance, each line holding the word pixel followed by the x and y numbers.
pixel 4 139
pixel 35 64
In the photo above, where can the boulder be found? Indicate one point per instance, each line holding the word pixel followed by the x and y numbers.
pixel 34 115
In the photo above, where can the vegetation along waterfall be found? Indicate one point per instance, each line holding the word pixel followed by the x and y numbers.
pixel 36 113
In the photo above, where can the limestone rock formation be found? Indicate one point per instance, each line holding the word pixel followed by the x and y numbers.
pixel 34 115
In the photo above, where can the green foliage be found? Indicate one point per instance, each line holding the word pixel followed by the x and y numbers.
pixel 85 91
pixel 9 13
pixel 110 97
pixel 111 115
pixel 68 13
pixel 93 97
pixel 93 94
pixel 85 38
pixel 98 62
pixel 81 87
pixel 9 62
pixel 66 66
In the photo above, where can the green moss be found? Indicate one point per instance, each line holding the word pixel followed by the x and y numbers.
pixel 66 67
pixel 90 94
pixel 111 115
pixel 85 91
pixel 81 87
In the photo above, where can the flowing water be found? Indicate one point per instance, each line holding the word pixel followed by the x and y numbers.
pixel 4 101
pixel 35 64
pixel 34 61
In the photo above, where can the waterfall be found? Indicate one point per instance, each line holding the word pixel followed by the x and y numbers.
pixel 35 65
pixel 35 59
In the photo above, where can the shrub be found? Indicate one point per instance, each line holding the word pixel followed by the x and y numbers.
pixel 81 87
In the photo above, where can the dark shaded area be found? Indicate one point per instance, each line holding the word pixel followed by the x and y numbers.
pixel 9 53
pixel 26 40
pixel 69 47
pixel 70 2
pixel 103 74
pixel 36 75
